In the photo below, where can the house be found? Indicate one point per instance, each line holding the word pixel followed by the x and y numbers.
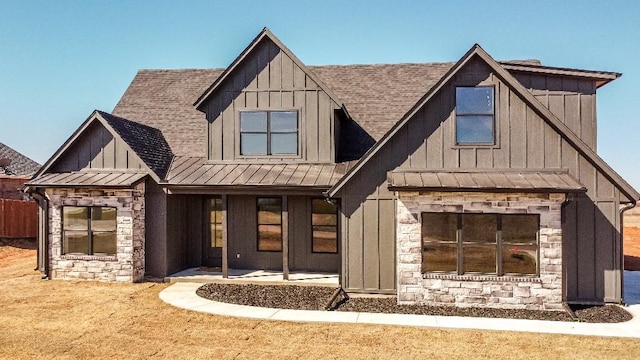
pixel 15 170
pixel 474 183
pixel 18 213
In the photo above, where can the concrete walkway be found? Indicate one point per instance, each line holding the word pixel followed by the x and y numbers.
pixel 183 295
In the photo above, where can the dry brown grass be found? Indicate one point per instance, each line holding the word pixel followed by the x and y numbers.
pixel 64 319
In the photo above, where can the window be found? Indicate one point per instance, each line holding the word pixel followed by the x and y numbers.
pixel 269 224
pixel 89 230
pixel 216 222
pixel 474 116
pixel 324 222
pixel 480 243
pixel 268 133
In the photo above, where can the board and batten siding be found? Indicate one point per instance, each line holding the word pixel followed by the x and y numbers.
pixel 97 149
pixel 523 140
pixel 268 79
pixel 570 99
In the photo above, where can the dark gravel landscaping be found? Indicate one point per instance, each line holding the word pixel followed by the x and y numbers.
pixel 316 297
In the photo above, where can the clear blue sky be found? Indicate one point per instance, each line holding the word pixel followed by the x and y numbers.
pixel 60 60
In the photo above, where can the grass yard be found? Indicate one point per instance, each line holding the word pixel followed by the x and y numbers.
pixel 65 319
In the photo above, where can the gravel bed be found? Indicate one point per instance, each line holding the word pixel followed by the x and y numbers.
pixel 316 297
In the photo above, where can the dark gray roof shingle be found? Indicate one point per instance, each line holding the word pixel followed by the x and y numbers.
pixel 20 165
pixel 146 141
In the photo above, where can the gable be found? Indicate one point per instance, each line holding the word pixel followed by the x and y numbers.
pixel 106 142
pixel 528 135
pixel 268 77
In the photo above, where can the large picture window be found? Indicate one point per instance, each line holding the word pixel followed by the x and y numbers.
pixel 499 244
pixel 475 116
pixel 89 230
pixel 324 222
pixel 268 133
pixel 270 224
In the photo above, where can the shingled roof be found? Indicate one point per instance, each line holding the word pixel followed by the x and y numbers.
pixel 146 141
pixel 20 165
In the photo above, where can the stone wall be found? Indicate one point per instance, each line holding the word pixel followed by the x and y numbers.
pixel 542 292
pixel 128 263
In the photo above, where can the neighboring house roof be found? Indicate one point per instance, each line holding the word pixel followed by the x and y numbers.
pixel 485 180
pixel 18 164
pixel 198 172
pixel 144 141
pixel 529 99
pixel 89 179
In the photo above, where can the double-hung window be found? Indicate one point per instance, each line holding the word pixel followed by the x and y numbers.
pixel 498 244
pixel 475 121
pixel 89 230
pixel 268 133
pixel 269 224
pixel 324 222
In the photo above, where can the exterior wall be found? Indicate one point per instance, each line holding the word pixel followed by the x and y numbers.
pixel 155 231
pixel 184 232
pixel 543 292
pixel 242 238
pixel 571 99
pixel 129 262
pixel 268 79
pixel 524 141
pixel 97 149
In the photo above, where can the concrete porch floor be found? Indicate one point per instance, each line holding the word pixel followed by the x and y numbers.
pixel 264 277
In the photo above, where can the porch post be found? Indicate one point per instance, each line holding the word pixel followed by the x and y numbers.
pixel 225 247
pixel 285 238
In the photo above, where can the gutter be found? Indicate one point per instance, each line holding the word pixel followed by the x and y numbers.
pixel 629 206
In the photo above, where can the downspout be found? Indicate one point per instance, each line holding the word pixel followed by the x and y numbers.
pixel 43 231
pixel 629 206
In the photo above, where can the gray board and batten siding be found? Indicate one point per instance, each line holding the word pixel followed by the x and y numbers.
pixel 524 140
pixel 267 78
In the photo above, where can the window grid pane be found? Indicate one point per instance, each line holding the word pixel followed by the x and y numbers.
pixel 324 222
pixel 269 224
pixel 479 238
pixel 475 115
pixel 89 230
pixel 216 222
pixel 268 133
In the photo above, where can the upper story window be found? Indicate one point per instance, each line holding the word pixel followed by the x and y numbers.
pixel 475 123
pixel 268 133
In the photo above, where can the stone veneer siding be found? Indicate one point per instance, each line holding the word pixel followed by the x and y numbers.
pixel 543 292
pixel 128 263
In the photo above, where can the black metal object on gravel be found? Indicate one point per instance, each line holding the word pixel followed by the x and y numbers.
pixel 316 297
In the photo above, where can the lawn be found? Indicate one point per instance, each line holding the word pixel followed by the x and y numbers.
pixel 69 319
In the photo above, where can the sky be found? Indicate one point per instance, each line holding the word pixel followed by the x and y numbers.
pixel 60 60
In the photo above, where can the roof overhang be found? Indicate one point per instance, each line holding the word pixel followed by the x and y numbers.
pixel 90 179
pixel 491 180
pixel 600 77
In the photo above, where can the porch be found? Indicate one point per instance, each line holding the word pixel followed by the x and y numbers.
pixel 264 277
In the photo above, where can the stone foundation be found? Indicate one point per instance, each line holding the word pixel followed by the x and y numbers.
pixel 542 292
pixel 127 265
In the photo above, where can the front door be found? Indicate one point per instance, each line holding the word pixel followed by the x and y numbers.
pixel 212 254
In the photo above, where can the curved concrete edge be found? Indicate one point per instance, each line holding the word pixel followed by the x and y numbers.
pixel 183 295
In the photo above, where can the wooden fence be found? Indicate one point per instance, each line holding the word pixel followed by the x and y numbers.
pixel 18 219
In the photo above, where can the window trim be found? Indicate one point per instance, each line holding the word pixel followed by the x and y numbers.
pixel 459 242
pixel 495 115
pixel 336 226
pixel 268 133
pixel 90 232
